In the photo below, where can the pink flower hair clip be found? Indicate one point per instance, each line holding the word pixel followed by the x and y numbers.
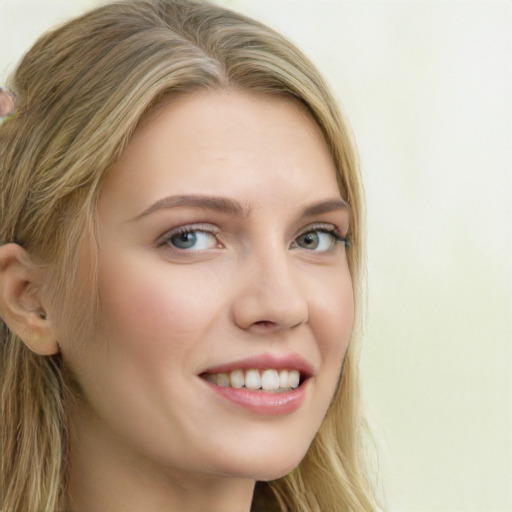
pixel 7 103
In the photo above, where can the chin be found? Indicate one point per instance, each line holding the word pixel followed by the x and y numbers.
pixel 267 465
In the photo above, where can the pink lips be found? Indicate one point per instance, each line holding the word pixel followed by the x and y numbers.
pixel 265 402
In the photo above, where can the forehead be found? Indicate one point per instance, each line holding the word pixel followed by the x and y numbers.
pixel 225 142
pixel 237 114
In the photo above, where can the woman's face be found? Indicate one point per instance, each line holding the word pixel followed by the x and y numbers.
pixel 221 264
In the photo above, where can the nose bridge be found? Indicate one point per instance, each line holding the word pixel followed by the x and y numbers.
pixel 270 292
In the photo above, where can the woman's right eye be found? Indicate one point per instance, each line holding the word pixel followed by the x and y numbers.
pixel 190 240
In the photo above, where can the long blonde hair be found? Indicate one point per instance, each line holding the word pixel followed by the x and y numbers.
pixel 82 91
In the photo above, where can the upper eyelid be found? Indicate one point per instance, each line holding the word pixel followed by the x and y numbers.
pixel 185 228
pixel 326 229
pixel 319 226
pixel 216 231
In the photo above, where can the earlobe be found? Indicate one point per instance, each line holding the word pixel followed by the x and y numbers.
pixel 21 306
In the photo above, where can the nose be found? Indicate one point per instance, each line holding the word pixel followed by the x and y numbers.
pixel 269 295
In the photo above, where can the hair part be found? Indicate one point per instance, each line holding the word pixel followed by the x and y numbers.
pixel 83 89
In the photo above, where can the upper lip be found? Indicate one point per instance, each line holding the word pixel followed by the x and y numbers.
pixel 267 361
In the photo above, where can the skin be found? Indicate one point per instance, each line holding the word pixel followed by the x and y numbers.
pixel 147 433
pixel 7 103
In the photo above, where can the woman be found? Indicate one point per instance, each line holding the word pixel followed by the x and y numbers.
pixel 181 271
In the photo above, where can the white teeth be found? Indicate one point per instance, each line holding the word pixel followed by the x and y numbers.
pixel 237 379
pixel 253 379
pixel 283 379
pixel 223 380
pixel 293 379
pixel 268 380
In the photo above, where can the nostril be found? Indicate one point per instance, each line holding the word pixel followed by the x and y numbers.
pixel 264 311
pixel 264 323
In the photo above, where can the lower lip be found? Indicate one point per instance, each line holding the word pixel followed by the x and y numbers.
pixel 264 402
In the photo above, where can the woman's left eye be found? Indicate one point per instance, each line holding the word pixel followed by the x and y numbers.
pixel 319 240
pixel 191 240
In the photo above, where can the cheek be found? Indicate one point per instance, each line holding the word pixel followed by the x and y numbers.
pixel 153 307
pixel 333 319
pixel 334 310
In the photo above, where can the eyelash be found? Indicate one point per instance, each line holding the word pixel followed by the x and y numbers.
pixel 166 239
pixel 326 229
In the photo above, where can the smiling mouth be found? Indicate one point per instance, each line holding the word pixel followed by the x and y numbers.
pixel 273 380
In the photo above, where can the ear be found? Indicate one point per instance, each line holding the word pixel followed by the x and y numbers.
pixel 21 305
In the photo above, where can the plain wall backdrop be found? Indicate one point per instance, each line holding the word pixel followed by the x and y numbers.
pixel 426 86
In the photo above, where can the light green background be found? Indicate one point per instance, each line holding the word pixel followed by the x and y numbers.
pixel 427 88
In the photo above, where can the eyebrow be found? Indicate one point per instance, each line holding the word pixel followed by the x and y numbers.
pixel 220 204
pixel 232 207
pixel 331 205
